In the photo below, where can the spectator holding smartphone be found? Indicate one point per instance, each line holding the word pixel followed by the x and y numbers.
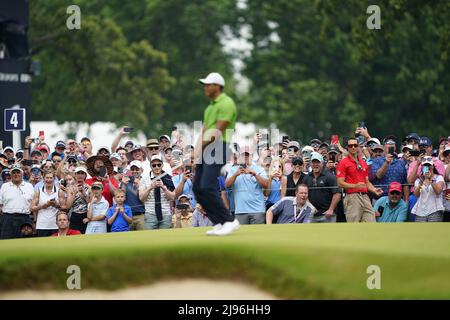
pixel 428 190
pixel 388 168
pixel 247 182
pixel 77 200
pixel 45 206
pixel 156 191
pixel 184 182
pixel 391 208
pixel 130 184
pixel 101 169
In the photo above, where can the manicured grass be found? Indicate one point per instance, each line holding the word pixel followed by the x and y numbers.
pixel 310 261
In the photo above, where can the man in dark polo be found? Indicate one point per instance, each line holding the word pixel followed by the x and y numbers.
pixel 324 193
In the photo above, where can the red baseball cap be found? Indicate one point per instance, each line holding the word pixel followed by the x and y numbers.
pixel 395 186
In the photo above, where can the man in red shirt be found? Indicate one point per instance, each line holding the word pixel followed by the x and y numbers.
pixel 352 175
pixel 62 221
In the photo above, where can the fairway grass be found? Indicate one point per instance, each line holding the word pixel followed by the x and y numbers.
pixel 303 261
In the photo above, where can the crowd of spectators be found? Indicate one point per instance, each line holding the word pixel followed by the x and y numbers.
pixel 67 189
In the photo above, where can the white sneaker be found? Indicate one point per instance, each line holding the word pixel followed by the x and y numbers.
pixel 216 228
pixel 227 228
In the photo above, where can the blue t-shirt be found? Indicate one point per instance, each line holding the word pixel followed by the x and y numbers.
pixel 132 199
pixel 187 188
pixel 119 224
pixel 397 214
pixel 248 194
pixel 275 191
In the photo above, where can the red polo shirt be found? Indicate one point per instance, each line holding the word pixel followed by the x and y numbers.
pixel 348 169
pixel 106 192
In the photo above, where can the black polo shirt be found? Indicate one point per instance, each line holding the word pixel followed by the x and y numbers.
pixel 319 194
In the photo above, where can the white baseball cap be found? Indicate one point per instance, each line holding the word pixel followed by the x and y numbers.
pixel 82 169
pixel 156 157
pixel 213 78
pixel 136 163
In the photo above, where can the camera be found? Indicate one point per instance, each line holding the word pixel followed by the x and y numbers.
pixel 11 161
pixel 182 206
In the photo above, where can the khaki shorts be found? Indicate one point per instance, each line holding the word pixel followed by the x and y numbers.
pixel 138 223
pixel 357 208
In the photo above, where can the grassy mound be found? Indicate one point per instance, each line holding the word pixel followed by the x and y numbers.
pixel 312 261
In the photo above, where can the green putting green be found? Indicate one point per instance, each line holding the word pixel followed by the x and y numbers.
pixel 310 261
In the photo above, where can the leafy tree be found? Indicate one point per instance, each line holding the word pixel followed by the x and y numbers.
pixel 94 74
pixel 317 70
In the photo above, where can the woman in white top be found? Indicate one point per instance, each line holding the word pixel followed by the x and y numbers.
pixel 428 189
pixel 45 206
pixel 97 208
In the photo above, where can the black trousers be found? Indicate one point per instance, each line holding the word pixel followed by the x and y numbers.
pixel 76 222
pixel 10 225
pixel 206 190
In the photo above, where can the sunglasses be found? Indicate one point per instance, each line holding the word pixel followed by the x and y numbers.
pixel 96 188
pixel 153 148
pixel 297 163
pixel 354 145
pixel 292 149
pixel 395 193
pixel 154 165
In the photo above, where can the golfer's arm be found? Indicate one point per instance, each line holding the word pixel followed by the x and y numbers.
pixel 221 126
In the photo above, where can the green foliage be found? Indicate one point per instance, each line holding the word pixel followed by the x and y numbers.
pixel 328 71
pixel 94 74
pixel 189 33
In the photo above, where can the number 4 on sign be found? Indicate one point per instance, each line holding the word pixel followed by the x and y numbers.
pixel 14 120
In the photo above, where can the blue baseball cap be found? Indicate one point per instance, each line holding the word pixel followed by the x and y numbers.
pixel 425 141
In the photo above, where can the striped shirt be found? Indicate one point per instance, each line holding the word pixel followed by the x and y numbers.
pixel 149 203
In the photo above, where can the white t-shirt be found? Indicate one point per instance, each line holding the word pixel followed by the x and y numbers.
pixel 16 199
pixel 46 218
pixel 428 201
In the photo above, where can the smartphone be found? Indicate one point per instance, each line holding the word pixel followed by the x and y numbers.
pixel 425 169
pixel 264 135
pixel 332 157
pixel 63 182
pixel 128 129
pixel 285 139
pixel 243 166
pixel 381 210
pixel 189 168
pixel 11 161
pixel 182 206
pixel 335 139
pixel 414 153
pixel 119 170
pixel 102 171
pixel 41 135
pixel 391 150
pixel 361 124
